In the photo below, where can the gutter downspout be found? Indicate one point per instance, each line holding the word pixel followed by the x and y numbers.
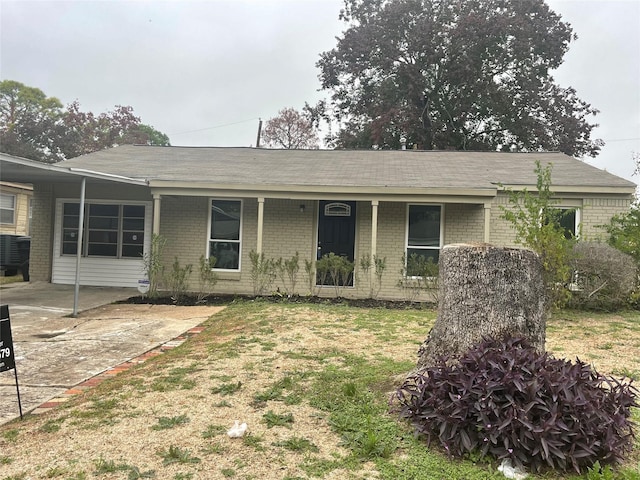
pixel 76 292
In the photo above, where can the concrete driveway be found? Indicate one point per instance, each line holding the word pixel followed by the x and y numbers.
pixel 54 352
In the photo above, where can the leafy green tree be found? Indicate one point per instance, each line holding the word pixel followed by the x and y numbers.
pixel 150 136
pixel 465 75
pixel 30 122
pixel 536 222
pixel 35 126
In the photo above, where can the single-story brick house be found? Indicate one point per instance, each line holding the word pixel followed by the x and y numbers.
pixel 228 202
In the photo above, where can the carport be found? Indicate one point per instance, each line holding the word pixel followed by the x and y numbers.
pixel 77 182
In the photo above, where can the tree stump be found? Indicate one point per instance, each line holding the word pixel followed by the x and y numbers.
pixel 486 291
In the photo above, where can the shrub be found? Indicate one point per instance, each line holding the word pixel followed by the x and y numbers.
pixel 504 399
pixel 624 231
pixel 208 278
pixel 335 270
pixel 417 275
pixel 178 280
pixel 263 272
pixel 536 221
pixel 604 277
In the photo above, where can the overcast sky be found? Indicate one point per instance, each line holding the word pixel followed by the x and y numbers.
pixel 203 72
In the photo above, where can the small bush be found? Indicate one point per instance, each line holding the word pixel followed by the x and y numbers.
pixel 504 399
pixel 604 277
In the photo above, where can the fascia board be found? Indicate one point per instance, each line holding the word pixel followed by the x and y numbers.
pixel 312 191
pixel 584 190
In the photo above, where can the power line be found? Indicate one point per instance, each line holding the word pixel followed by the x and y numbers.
pixel 622 139
pixel 214 127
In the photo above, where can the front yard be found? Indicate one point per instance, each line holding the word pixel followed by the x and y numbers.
pixel 311 381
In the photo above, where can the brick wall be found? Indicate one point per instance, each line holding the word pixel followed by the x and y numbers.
pixel 594 212
pixel 41 233
pixel 463 223
pixel 597 212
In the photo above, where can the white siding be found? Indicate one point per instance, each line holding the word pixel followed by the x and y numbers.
pixel 96 271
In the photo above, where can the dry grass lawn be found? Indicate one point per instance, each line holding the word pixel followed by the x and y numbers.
pixel 265 364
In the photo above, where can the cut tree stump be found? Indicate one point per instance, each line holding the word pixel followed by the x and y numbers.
pixel 486 291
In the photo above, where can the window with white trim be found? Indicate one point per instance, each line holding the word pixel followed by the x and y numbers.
pixel 225 233
pixel 7 209
pixel 424 236
pixel 110 230
pixel 569 220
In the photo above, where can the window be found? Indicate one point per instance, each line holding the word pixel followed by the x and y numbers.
pixel 7 209
pixel 225 233
pixel 110 230
pixel 568 219
pixel 424 231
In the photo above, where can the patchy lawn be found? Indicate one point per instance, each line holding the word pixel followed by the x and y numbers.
pixel 311 381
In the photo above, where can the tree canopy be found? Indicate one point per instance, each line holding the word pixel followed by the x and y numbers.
pixel 35 126
pixel 290 129
pixel 465 75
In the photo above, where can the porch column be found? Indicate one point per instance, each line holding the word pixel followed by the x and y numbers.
pixel 374 228
pixel 76 290
pixel 487 222
pixel 156 214
pixel 260 225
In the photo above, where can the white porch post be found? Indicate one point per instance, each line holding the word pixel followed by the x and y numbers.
pixel 156 214
pixel 374 227
pixel 487 222
pixel 76 291
pixel 374 237
pixel 260 225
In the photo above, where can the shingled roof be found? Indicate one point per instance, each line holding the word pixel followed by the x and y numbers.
pixel 345 168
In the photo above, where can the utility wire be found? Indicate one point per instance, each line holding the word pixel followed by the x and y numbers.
pixel 215 126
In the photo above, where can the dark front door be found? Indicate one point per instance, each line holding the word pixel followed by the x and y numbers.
pixel 337 229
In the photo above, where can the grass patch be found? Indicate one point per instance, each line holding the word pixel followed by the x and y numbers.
pixel 165 423
pixel 277 420
pixel 345 381
pixel 297 444
pixel 226 388
pixel 175 379
pixel 177 455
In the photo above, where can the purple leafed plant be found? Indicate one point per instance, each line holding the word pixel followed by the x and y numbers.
pixel 504 399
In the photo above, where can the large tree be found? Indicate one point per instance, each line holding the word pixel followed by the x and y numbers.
pixel 29 121
pixel 290 129
pixel 464 74
pixel 35 126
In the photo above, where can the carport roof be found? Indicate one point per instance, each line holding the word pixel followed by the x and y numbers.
pixel 197 167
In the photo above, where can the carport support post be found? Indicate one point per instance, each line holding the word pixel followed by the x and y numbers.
pixel 76 292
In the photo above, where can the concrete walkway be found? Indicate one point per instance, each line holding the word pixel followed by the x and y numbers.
pixel 55 352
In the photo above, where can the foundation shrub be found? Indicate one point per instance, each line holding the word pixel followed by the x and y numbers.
pixel 505 400
pixel 604 277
